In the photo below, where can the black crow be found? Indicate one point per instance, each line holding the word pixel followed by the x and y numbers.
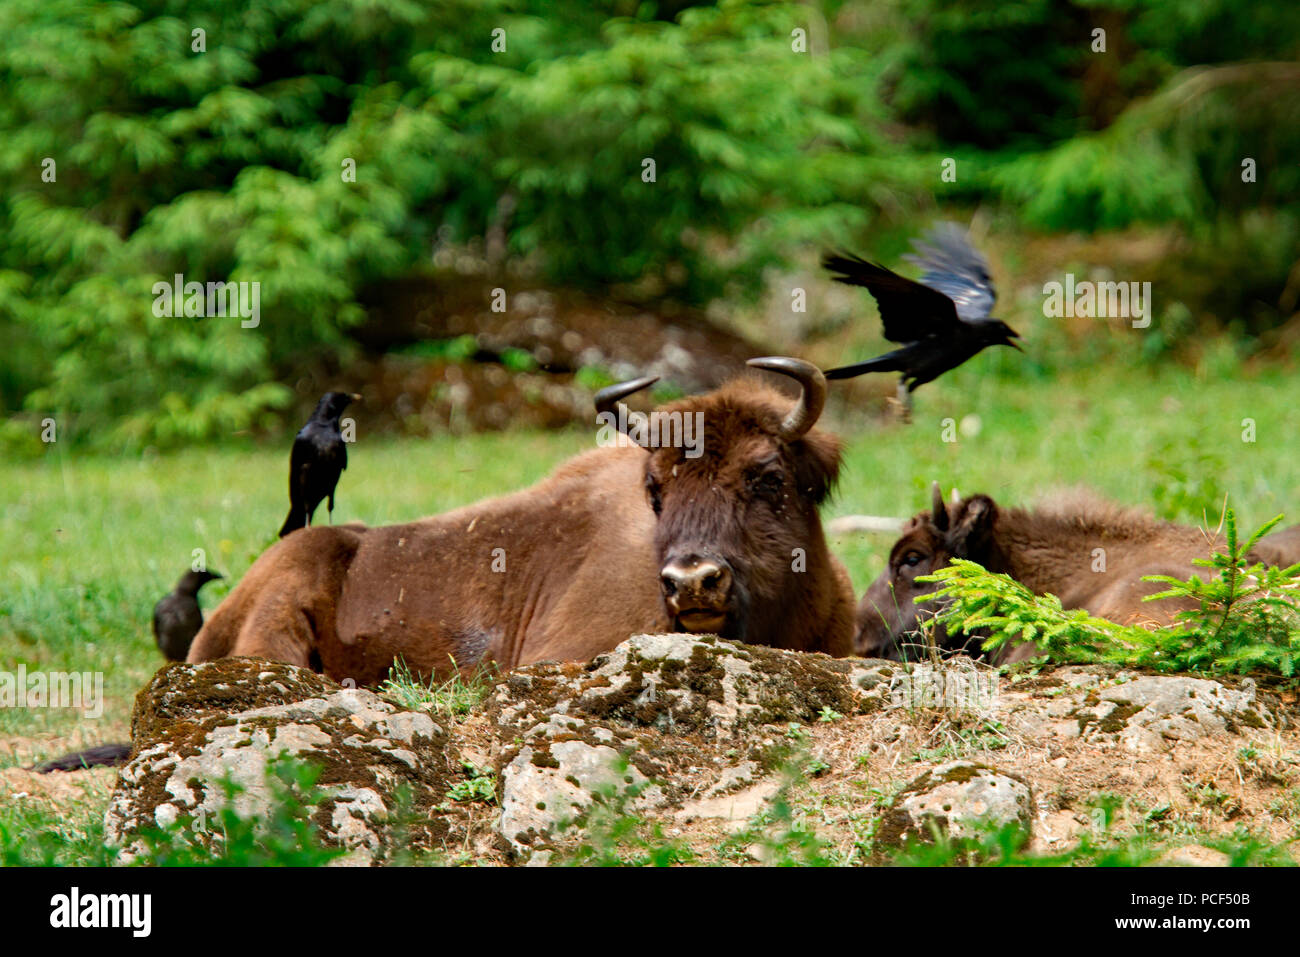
pixel 941 321
pixel 319 456
pixel 104 755
pixel 177 618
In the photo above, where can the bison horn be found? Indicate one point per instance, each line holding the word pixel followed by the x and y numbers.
pixel 938 511
pixel 609 398
pixel 812 400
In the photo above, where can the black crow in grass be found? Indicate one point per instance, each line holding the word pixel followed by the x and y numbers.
pixel 103 755
pixel 319 456
pixel 941 321
pixel 177 618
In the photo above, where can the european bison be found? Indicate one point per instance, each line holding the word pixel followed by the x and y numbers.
pixel 721 537
pixel 1089 553
pixel 1281 548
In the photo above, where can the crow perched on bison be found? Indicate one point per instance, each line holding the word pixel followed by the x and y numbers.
pixel 319 456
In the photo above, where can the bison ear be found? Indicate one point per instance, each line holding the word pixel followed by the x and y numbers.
pixel 938 512
pixel 816 464
pixel 973 529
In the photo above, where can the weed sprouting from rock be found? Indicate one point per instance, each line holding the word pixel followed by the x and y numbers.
pixel 454 697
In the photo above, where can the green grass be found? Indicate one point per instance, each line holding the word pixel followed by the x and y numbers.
pixel 1124 432
pixel 34 833
pixel 453 697
pixel 93 541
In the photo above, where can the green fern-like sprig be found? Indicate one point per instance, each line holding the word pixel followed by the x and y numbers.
pixel 1246 617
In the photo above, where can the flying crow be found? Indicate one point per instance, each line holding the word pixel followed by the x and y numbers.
pixel 941 321
pixel 319 455
pixel 177 618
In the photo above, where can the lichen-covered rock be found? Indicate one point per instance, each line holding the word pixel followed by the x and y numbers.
pixel 196 727
pixel 704 733
pixel 961 799
pixel 557 775
pixel 959 684
pixel 735 808
pixel 693 684
pixel 656 705
pixel 1152 712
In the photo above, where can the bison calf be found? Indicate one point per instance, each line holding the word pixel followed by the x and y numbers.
pixel 1089 553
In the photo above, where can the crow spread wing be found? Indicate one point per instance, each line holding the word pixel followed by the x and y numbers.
pixel 909 310
pixel 956 269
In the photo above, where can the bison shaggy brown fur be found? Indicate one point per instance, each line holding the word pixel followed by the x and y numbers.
pixel 1090 553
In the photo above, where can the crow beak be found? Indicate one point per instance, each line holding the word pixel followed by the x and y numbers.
pixel 1013 345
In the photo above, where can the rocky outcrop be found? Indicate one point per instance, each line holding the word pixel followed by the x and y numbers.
pixel 661 705
pixel 1151 713
pixel 556 775
pixel 693 685
pixel 203 731
pixel 699 736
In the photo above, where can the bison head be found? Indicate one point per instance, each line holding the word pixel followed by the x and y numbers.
pixel 738 530
pixel 889 620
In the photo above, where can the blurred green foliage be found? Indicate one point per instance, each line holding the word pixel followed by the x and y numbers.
pixel 229 165
pixel 225 156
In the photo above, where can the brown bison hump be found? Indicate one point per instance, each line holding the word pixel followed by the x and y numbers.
pixel 301 574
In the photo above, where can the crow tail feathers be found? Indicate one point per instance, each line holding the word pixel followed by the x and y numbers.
pixel 885 363
pixel 294 522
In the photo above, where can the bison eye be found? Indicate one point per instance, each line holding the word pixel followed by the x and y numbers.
pixel 769 484
pixel 912 559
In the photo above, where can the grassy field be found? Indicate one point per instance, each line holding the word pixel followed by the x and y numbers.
pixel 93 542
